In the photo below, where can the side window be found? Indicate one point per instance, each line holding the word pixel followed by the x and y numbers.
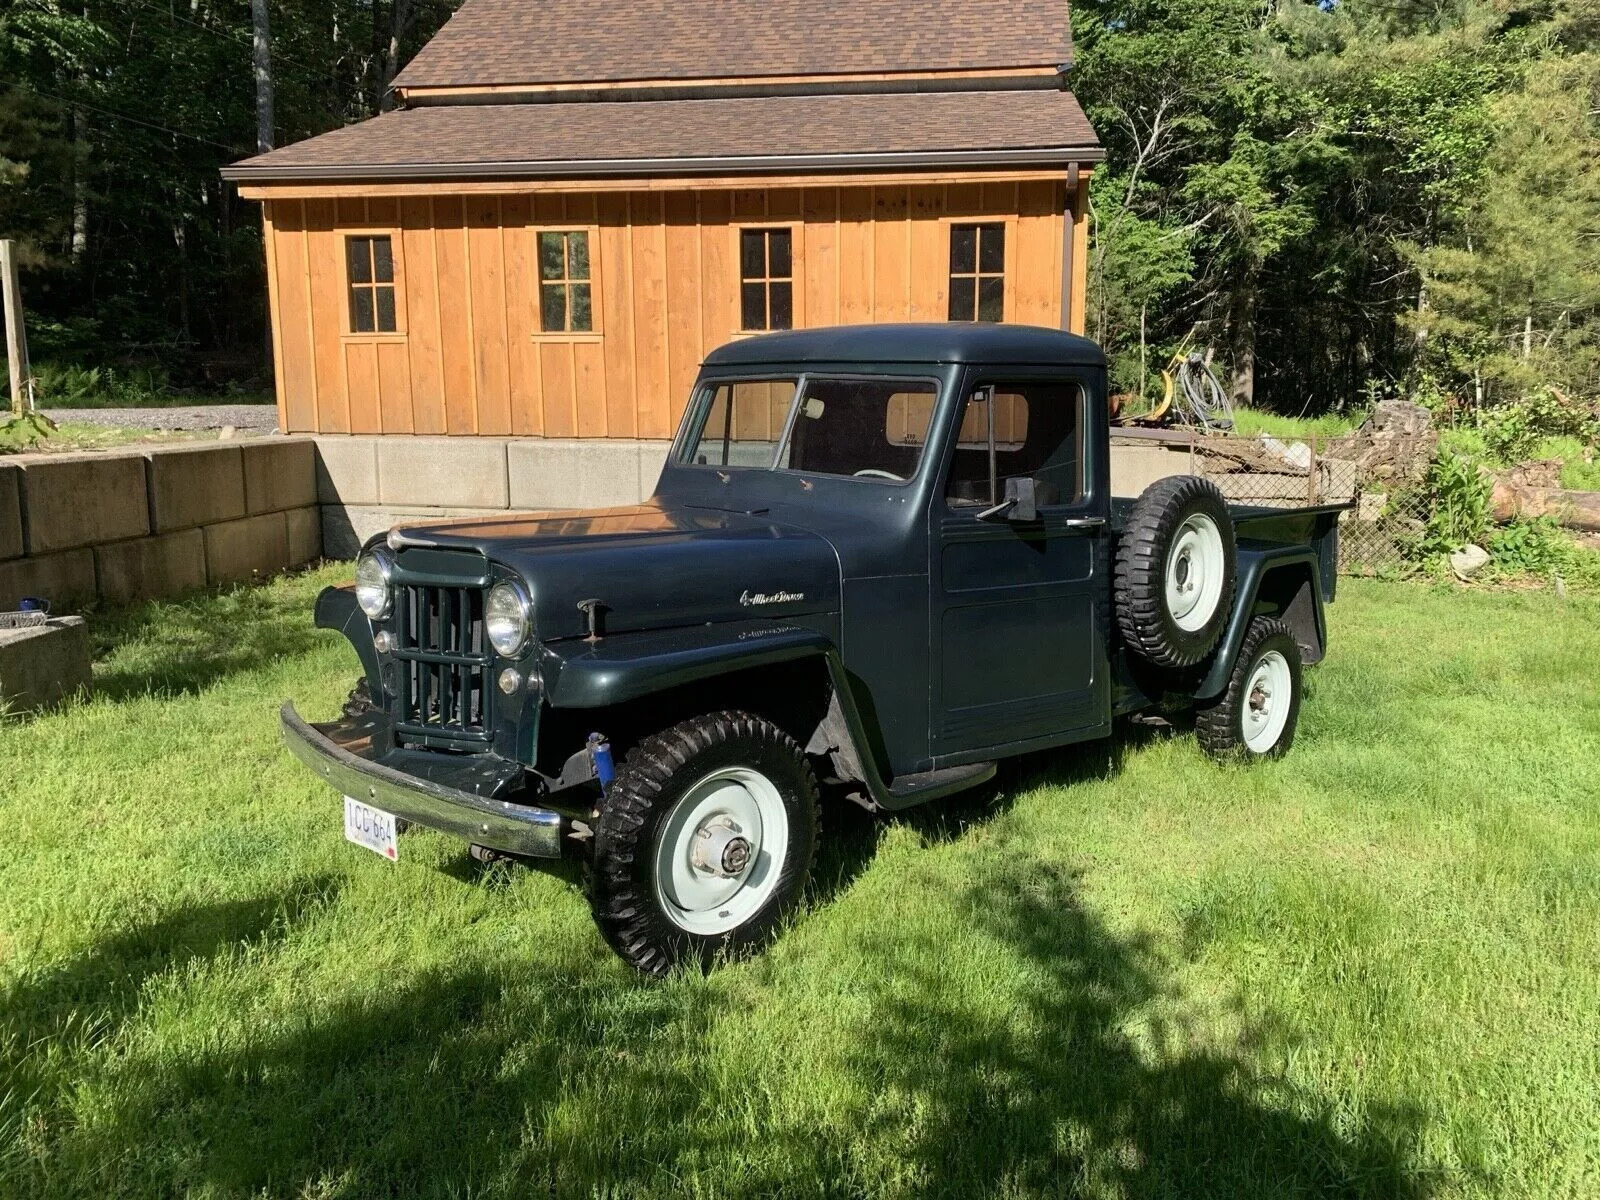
pixel 565 297
pixel 743 424
pixel 1037 432
pixel 766 279
pixel 978 272
pixel 369 262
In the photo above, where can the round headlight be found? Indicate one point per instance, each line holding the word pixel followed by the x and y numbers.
pixel 373 592
pixel 508 619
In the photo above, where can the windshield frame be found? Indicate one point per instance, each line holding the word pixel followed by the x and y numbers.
pixel 692 431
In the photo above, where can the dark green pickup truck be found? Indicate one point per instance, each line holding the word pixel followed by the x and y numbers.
pixel 879 559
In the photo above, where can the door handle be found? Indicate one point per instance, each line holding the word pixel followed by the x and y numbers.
pixel 1084 523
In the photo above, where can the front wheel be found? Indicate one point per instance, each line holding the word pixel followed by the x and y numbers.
pixel 704 843
pixel 1256 715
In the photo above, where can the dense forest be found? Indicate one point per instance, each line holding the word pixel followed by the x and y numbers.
pixel 1345 200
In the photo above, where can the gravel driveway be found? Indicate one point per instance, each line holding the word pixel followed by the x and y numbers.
pixel 259 418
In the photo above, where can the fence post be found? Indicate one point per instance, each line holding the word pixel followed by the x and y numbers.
pixel 1311 475
pixel 16 334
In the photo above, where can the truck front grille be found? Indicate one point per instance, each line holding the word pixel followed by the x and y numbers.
pixel 444 660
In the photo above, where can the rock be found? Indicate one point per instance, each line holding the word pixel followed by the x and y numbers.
pixel 1399 417
pixel 44 665
pixel 1468 561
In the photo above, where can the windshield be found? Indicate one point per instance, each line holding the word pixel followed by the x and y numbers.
pixel 863 428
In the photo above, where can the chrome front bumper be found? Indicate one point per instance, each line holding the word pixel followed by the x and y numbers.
pixel 346 763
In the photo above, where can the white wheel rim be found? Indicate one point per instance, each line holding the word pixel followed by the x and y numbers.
pixel 1195 569
pixel 1267 702
pixel 735 804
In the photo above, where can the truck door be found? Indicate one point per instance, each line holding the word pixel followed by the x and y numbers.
pixel 1018 651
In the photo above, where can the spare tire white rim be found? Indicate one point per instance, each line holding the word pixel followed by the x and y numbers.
pixel 721 851
pixel 1267 702
pixel 1195 571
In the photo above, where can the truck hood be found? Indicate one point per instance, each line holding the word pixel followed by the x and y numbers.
pixel 651 566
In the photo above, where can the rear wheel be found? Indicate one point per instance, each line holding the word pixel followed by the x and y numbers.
pixel 1256 715
pixel 704 843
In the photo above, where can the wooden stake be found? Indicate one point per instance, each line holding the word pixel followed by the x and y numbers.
pixel 16 334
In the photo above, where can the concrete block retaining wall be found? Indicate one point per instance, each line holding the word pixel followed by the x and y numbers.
pixel 139 524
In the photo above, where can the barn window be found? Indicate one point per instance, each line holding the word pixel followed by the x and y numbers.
pixel 766 272
pixel 565 291
pixel 977 272
pixel 371 267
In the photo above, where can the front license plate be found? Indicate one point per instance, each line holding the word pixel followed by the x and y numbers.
pixel 372 828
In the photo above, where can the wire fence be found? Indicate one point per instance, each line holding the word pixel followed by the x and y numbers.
pixel 1380 478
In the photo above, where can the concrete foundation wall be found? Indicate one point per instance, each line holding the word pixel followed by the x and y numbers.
pixel 141 524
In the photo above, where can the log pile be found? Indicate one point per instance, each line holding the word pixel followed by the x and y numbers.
pixel 1533 489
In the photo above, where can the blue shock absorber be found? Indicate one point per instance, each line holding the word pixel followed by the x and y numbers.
pixel 605 767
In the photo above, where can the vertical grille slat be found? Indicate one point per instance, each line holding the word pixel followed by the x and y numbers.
pixel 444 665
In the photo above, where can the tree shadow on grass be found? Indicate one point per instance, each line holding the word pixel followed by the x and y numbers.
pixel 1077 1069
pixel 186 646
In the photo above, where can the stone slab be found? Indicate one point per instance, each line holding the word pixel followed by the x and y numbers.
pixel 239 551
pixel 1135 468
pixel 303 528
pixel 73 500
pixel 41 667
pixel 10 512
pixel 194 487
pixel 347 470
pixel 66 580
pixel 279 474
pixel 652 459
pixel 598 473
pixel 151 568
pixel 464 472
pixel 346 530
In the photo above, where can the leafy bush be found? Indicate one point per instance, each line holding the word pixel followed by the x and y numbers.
pixel 67 386
pixel 1513 431
pixel 1542 548
pixel 1458 513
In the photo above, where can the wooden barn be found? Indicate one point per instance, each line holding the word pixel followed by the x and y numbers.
pixel 572 204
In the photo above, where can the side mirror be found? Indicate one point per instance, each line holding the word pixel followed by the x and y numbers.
pixel 1021 502
pixel 1022 493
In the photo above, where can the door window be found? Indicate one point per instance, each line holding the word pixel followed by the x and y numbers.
pixel 1037 432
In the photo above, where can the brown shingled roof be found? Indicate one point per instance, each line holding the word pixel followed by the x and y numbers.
pixel 508 42
pixel 814 132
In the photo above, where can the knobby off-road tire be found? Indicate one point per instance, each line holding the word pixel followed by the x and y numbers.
pixel 1174 580
pixel 690 795
pixel 1256 715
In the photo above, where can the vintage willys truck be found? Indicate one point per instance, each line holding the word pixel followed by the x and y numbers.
pixel 880 557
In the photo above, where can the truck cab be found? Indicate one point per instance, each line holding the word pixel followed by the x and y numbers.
pixel 879 558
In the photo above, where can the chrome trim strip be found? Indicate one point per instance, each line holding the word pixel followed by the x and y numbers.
pixel 511 828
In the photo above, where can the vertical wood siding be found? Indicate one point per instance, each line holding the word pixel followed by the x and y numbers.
pixel 469 356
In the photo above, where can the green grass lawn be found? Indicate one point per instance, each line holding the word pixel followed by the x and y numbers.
pixel 1370 969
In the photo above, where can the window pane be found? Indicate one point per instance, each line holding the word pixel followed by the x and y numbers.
pixel 1036 435
pixel 386 321
pixel 359 253
pixel 577 256
pixel 552 255
pixel 383 260
pixel 582 314
pixel 553 308
pixel 782 306
pixel 992 298
pixel 963 249
pixel 753 254
pixel 780 254
pixel 361 315
pixel 847 426
pixel 753 306
pixel 992 249
pixel 742 425
pixel 963 299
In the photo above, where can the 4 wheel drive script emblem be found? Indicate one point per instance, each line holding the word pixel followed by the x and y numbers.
pixel 756 599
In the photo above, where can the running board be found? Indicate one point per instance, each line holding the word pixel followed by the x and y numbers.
pixel 907 790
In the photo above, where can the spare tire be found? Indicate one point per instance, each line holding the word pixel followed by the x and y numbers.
pixel 1173 588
